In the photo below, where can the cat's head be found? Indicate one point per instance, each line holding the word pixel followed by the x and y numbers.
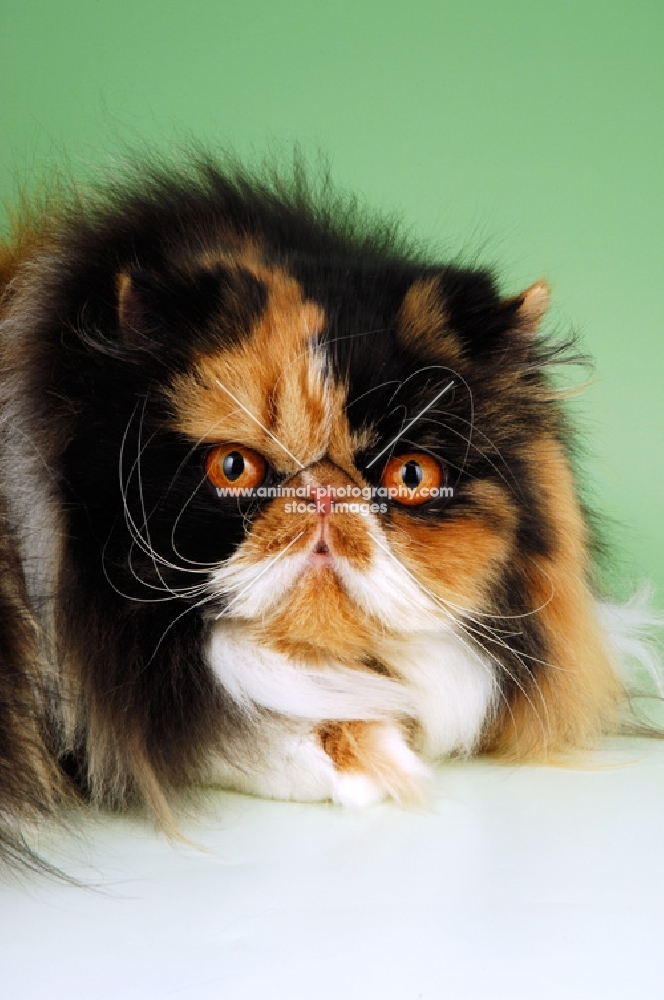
pixel 326 453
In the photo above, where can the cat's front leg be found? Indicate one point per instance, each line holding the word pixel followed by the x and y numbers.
pixel 351 763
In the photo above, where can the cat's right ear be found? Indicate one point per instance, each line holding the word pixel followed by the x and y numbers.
pixel 531 306
pixel 162 313
pixel 139 301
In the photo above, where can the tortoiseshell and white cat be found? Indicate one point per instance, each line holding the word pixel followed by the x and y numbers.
pixel 286 506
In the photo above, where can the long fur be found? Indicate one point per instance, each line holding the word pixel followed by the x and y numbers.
pixel 156 632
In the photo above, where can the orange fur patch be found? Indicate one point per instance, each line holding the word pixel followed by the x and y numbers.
pixel 422 320
pixel 27 237
pixel 319 623
pixel 274 375
pixel 459 558
pixel 346 743
pixel 318 620
pixel 577 695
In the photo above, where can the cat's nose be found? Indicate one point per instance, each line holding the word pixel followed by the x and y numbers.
pixel 328 483
pixel 324 501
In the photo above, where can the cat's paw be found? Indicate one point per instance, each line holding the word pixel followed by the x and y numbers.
pixel 353 788
pixel 373 762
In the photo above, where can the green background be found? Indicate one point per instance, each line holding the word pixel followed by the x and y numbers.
pixel 526 134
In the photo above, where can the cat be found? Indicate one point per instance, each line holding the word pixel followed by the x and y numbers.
pixel 287 506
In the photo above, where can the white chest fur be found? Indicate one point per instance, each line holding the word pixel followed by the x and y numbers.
pixel 442 683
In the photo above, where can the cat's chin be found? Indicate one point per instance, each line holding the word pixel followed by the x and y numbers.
pixel 319 562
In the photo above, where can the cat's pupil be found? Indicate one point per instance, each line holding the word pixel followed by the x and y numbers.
pixel 233 466
pixel 412 474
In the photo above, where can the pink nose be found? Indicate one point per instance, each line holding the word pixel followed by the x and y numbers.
pixel 324 501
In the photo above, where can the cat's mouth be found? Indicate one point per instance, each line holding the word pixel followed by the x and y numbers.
pixel 321 556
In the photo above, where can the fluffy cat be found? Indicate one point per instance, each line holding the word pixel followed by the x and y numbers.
pixel 286 506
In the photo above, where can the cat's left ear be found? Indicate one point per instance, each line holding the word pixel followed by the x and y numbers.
pixel 530 306
pixel 150 305
pixel 131 308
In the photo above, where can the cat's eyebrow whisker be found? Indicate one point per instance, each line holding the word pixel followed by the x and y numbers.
pixel 259 575
pixel 419 371
pixel 409 425
pixel 455 416
pixel 352 336
pixel 511 486
pixel 374 388
pixel 456 377
pixel 260 424
pixel 399 406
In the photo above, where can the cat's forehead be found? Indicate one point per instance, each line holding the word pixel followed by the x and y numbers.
pixel 284 384
pixel 270 389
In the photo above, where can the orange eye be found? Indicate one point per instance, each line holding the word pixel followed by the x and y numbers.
pixel 414 476
pixel 233 465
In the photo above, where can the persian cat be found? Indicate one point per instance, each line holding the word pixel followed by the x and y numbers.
pixel 287 506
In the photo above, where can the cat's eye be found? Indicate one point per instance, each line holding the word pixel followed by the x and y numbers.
pixel 416 477
pixel 232 466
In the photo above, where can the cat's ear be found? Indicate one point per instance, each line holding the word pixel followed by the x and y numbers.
pixel 151 307
pixel 174 310
pixel 139 297
pixel 483 322
pixel 530 307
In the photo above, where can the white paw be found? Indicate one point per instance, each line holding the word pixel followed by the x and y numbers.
pixel 392 770
pixel 353 788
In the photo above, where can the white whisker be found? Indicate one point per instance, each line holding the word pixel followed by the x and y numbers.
pixel 409 425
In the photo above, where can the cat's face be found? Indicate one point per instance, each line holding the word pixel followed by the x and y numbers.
pixel 334 456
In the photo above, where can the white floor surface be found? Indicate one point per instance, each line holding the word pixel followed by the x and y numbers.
pixel 515 883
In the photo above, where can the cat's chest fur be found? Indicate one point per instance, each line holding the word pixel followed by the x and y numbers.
pixel 438 681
